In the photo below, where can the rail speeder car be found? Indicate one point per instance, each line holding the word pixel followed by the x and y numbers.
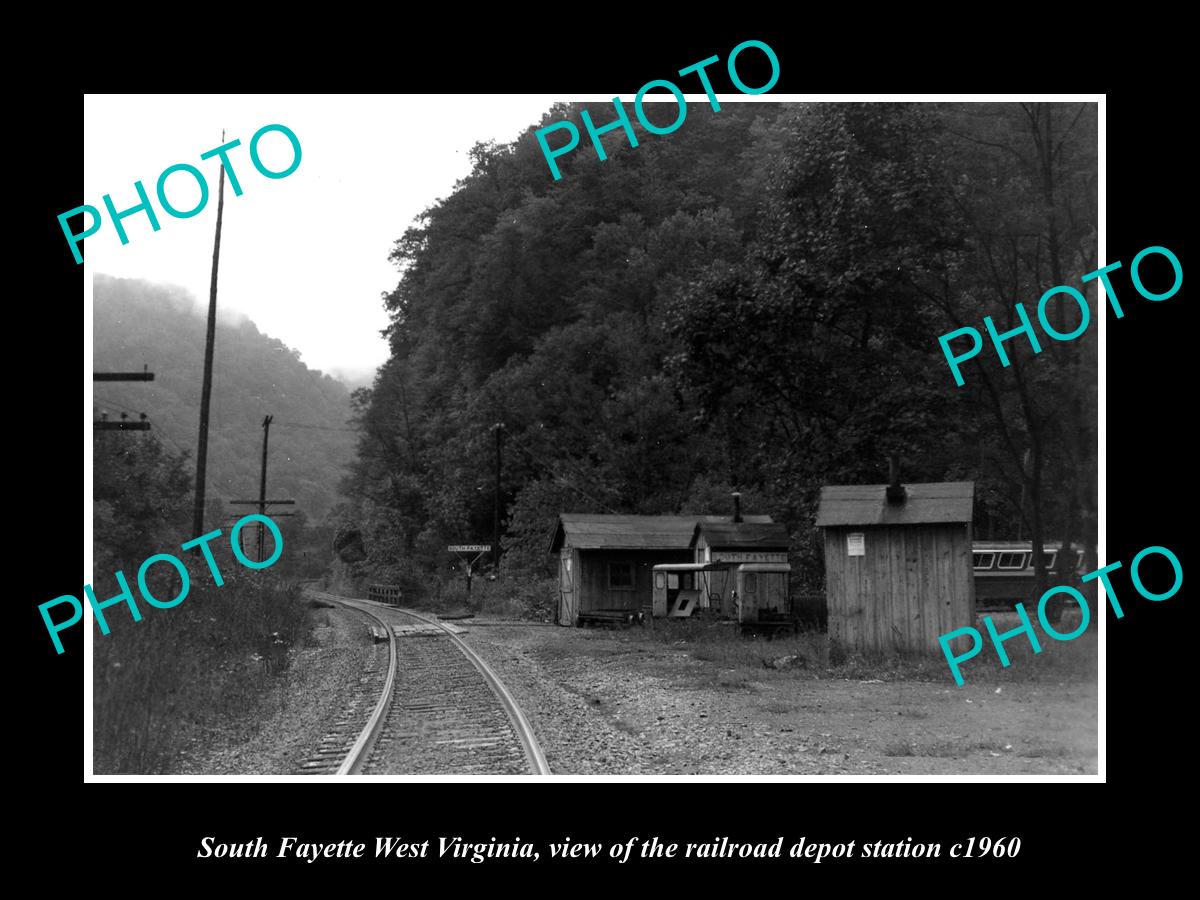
pixel 752 593
pixel 1004 570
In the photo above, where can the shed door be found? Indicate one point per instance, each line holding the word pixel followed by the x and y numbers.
pixel 749 589
pixel 568 606
pixel 772 586
pixel 720 585
pixel 659 594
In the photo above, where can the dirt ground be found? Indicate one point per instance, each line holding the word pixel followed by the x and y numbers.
pixel 696 699
pixel 603 701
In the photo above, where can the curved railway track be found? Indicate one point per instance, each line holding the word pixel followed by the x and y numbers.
pixel 440 709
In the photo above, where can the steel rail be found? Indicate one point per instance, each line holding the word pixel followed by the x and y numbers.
pixel 359 753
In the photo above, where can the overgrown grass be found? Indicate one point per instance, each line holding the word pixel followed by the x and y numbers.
pixel 181 674
pixel 504 598
pixel 945 749
pixel 813 654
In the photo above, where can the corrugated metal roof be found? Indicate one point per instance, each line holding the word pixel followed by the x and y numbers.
pixel 866 504
pixel 729 535
pixel 593 531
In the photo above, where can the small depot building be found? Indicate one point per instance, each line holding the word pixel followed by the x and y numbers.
pixel 753 584
pixel 898 563
pixel 606 562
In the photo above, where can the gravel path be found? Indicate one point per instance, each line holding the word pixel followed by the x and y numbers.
pixel 601 703
pixel 605 706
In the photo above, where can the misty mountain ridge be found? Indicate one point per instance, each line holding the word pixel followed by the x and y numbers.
pixel 162 327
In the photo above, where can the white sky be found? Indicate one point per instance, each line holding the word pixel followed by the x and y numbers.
pixel 305 257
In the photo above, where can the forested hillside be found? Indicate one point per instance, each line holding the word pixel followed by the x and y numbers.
pixel 137 323
pixel 750 303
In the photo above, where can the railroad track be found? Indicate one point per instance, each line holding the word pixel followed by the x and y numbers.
pixel 440 709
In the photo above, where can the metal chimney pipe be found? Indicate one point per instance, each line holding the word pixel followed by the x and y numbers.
pixel 737 507
pixel 895 490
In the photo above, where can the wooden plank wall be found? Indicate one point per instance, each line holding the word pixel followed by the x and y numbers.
pixel 913 584
pixel 592 583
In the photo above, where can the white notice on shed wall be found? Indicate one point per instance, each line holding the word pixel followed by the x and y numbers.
pixel 856 544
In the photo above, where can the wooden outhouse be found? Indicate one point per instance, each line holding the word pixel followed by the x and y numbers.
pixel 605 562
pixel 898 563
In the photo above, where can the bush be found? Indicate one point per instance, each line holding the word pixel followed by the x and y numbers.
pixel 181 674
pixel 506 598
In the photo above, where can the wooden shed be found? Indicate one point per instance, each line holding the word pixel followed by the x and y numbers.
pixel 746 543
pixel 898 563
pixel 605 562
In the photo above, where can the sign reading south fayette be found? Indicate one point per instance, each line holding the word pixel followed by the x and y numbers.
pixel 469 548
pixel 749 556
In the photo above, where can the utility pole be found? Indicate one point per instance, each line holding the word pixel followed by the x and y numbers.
pixel 498 427
pixel 206 390
pixel 262 486
pixel 262 502
pixel 258 536
pixel 124 424
pixel 144 375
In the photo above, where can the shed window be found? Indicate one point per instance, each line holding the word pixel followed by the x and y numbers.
pixel 751 582
pixel 1012 560
pixel 984 560
pixel 620 576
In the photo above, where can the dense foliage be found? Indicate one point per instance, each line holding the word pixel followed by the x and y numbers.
pixel 751 303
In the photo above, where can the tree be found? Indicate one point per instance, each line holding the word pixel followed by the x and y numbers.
pixel 539 305
pixel 754 304
pixel 141 497
pixel 1026 193
pixel 811 353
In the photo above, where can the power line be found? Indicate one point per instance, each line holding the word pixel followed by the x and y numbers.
pixel 170 440
pixel 116 405
pixel 315 427
pixel 100 401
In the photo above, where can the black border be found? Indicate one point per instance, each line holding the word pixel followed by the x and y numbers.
pixel 1146 447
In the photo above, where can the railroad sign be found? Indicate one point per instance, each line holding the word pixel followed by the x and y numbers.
pixel 751 556
pixel 477 549
pixel 856 544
